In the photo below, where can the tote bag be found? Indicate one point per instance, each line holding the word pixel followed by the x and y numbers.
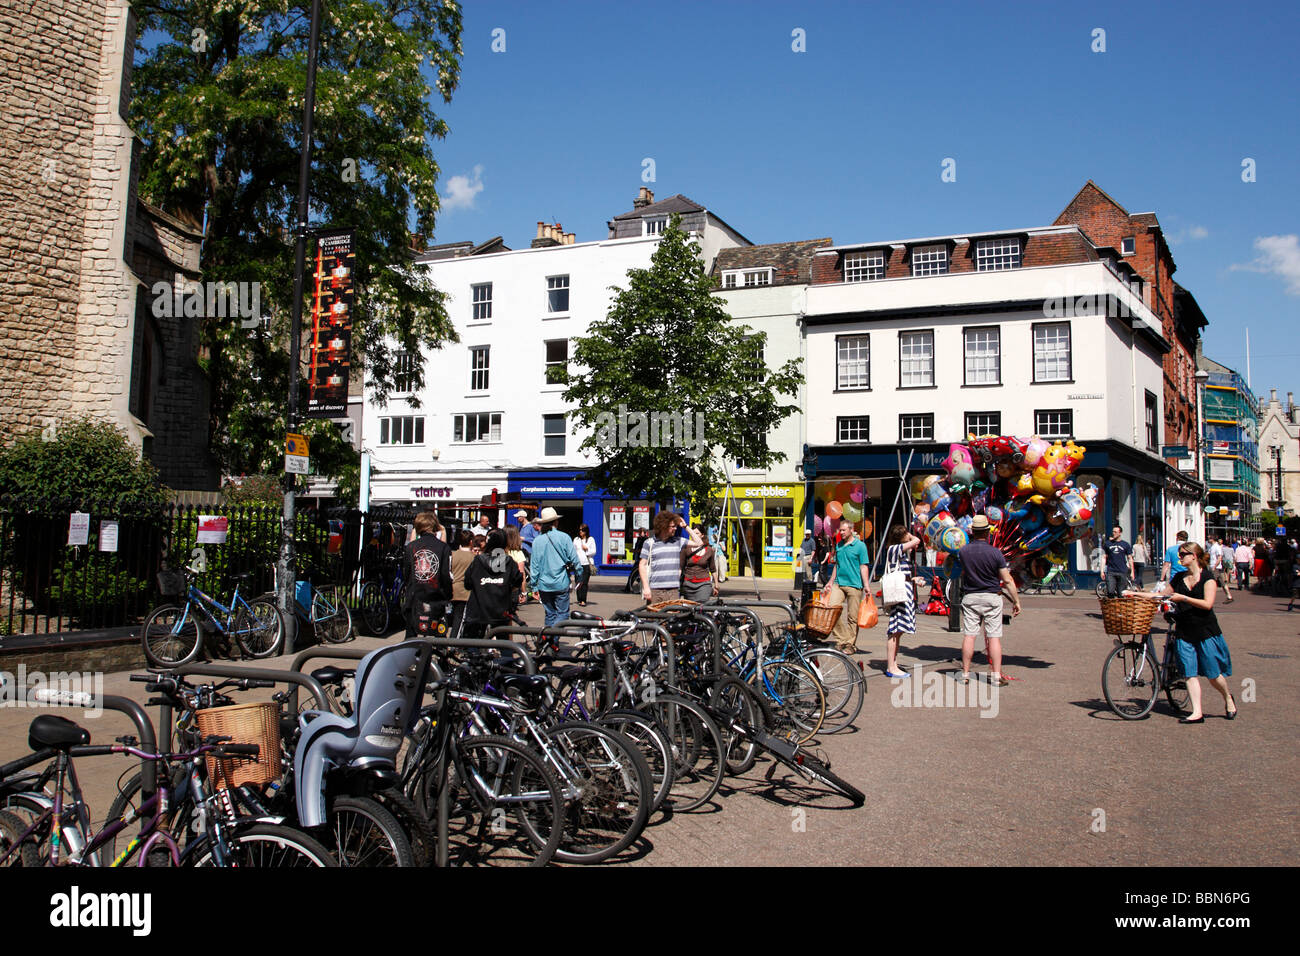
pixel 894 583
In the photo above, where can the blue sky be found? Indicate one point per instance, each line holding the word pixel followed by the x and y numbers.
pixel 847 139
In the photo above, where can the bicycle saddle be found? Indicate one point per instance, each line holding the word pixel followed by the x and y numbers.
pixel 583 616
pixel 386 703
pixel 51 730
pixel 331 674
pixel 242 576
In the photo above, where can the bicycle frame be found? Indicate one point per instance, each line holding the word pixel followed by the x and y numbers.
pixel 201 602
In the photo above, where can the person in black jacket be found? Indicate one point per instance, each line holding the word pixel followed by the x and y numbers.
pixel 426 568
pixel 493 581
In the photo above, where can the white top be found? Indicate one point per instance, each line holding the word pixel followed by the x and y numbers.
pixel 586 550
pixel 1245 554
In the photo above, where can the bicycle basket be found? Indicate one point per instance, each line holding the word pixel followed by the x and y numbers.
pixel 821 618
pixel 171 583
pixel 257 723
pixel 1127 615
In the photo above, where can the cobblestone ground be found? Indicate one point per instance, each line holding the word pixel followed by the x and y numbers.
pixel 1054 778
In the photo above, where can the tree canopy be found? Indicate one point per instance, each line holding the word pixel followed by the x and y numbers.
pixel 217 100
pixel 669 351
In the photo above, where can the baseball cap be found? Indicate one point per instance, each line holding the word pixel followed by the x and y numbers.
pixel 521 513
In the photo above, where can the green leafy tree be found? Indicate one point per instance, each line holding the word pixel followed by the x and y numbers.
pixel 217 101
pixel 87 460
pixel 668 348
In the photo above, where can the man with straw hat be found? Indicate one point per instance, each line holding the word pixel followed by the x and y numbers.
pixel 553 559
pixel 984 573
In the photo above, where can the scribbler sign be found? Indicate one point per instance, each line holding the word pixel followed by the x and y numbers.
pixel 331 325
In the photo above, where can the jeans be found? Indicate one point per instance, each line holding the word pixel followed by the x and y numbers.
pixel 1243 574
pixel 556 604
pixel 1138 567
pixel 1116 581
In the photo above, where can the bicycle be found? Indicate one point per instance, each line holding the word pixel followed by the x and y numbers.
pixel 325 611
pixel 1133 674
pixel 1056 579
pixel 174 634
pixel 382 599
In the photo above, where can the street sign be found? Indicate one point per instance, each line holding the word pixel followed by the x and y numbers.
pixel 1174 451
pixel 1212 509
pixel 1281 531
pixel 296 445
pixel 296 464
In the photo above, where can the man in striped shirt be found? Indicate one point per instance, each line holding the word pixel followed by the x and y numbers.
pixel 661 559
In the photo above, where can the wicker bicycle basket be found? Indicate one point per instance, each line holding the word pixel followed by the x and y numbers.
pixel 257 723
pixel 821 618
pixel 1127 615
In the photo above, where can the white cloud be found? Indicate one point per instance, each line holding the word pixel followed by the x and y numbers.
pixel 461 191
pixel 1279 256
pixel 1195 232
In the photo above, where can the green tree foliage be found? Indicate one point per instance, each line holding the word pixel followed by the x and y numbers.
pixel 87 460
pixel 254 490
pixel 217 100
pixel 668 346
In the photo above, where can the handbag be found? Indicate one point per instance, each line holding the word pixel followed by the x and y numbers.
pixel 893 584
pixel 868 616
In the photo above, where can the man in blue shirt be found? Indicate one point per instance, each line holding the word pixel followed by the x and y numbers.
pixel 1172 564
pixel 552 561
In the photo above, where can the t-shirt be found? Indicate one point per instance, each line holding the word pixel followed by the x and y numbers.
pixel 1117 553
pixel 849 559
pixel 980 567
pixel 1216 556
pixel 665 558
pixel 1171 556
pixel 1244 554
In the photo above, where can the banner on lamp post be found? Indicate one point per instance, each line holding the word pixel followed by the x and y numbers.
pixel 333 298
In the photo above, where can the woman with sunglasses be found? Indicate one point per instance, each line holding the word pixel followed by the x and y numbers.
pixel 1199 642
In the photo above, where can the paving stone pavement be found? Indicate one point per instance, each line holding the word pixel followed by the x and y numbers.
pixel 947 786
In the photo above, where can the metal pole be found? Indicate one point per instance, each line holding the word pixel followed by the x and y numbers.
pixel 284 571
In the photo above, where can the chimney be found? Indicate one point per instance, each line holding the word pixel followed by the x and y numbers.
pixel 1272 396
pixel 417 242
pixel 547 236
pixel 644 198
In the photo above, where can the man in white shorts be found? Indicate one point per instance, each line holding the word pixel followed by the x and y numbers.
pixel 984 572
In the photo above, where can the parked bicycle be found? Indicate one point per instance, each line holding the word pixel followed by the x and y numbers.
pixel 381 598
pixel 176 633
pixel 1056 579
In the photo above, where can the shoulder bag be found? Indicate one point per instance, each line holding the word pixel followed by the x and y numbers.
pixel 894 583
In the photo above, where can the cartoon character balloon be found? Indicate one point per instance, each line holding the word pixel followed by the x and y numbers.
pixel 952 539
pixel 960 467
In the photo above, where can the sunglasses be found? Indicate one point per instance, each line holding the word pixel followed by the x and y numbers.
pixel 1184 554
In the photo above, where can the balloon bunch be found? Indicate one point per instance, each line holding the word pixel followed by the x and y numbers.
pixel 1023 487
pixel 836 503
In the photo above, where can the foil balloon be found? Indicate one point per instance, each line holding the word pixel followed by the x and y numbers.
pixel 843 490
pixel 817 525
pixel 952 540
pixel 993 513
pixel 935 526
pixel 1074 509
pixel 852 512
pixel 936 496
pixel 858 495
pixel 966 523
pixel 920 483
pixel 1035 448
pixel 960 467
pixel 1052 473
pixel 834 509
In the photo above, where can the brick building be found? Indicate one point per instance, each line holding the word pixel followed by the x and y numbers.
pixel 77 245
pixel 1140 242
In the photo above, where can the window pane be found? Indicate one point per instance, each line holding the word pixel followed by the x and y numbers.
pixel 992 255
pixel 496 427
pixel 853 361
pixel 929 260
pixel 482 301
pixel 854 429
pixel 557 294
pixel 864 267
pixel 419 431
pixel 1054 423
pixel 982 356
pixel 983 423
pixel 458 428
pixel 383 431
pixel 916 427
pixel 916 358
pixel 1052 352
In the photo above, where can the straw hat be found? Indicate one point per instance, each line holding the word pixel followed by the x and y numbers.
pixel 548 515
pixel 981 523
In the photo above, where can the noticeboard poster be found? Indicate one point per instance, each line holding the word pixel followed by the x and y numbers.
pixel 213 529
pixel 616 551
pixel 333 299
pixel 617 518
pixel 640 517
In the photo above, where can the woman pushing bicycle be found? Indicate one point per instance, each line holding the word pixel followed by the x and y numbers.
pixel 1201 649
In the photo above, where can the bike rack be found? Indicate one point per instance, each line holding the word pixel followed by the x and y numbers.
pixel 794 618
pixel 661 632
pixel 294 677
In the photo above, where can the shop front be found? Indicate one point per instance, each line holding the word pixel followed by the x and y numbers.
pixel 762 529
pixel 457 500
pixel 615 523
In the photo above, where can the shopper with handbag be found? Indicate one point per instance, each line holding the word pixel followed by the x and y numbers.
pixel 698 577
pixel 898 594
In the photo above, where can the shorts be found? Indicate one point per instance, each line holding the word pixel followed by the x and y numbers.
pixel 981 610
pixel 1208 658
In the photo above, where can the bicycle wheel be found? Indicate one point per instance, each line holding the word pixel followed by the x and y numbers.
pixel 126 807
pixel 1176 692
pixel 259 629
pixel 735 702
pixel 795 696
pixel 269 845
pixel 614 791
pixel 1101 588
pixel 699 756
pixel 816 770
pixel 360 832
pixel 414 822
pixel 12 827
pixel 170 636
pixel 843 683
pixel 374 609
pixel 330 617
pixel 652 740
pixel 497 780
pixel 1129 681
pixel 1065 583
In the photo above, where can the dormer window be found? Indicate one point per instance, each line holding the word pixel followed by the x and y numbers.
pixel 864 266
pixel 654 225
pixel 994 255
pixel 746 278
pixel 930 260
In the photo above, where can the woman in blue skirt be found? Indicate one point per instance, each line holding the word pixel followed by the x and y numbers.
pixel 1201 649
